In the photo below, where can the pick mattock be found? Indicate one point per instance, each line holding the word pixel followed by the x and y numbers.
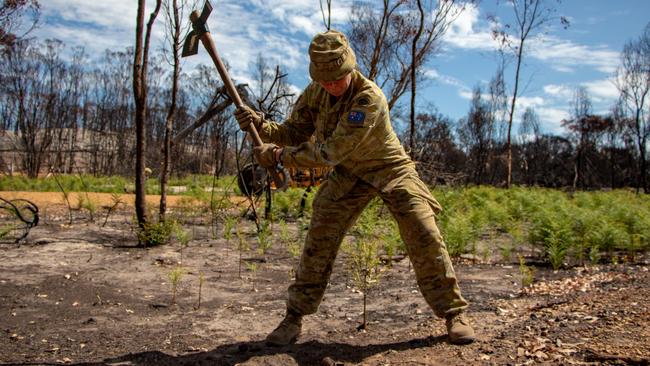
pixel 191 47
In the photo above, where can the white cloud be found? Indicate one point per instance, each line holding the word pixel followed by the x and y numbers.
pixel 529 102
pixel 566 56
pixel 305 24
pixel 303 16
pixel 109 14
pixel 466 94
pixel 550 113
pixel 551 119
pixel 463 90
pixel 559 91
pixel 446 79
pixel 469 32
pixel 279 30
pixel 93 25
pixel 463 32
pixel 602 90
pixel 464 24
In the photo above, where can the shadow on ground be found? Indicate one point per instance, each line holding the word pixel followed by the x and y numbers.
pixel 303 354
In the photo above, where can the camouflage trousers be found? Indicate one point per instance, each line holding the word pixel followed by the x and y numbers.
pixel 412 205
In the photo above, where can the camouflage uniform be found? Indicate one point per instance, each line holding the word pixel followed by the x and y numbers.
pixel 353 135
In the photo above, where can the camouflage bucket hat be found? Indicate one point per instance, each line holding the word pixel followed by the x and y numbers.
pixel 331 56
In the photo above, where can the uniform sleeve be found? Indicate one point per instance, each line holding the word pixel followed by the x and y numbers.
pixel 295 130
pixel 348 138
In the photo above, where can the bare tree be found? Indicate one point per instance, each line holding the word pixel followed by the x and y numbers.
pixel 531 16
pixel 619 145
pixel 272 96
pixel 211 101
pixel 414 52
pixel 173 11
pixel 529 137
pixel 439 159
pixel 12 15
pixel 38 99
pixel 383 40
pixel 476 133
pixel 497 109
pixel 498 102
pixel 140 62
pixel 633 83
pixel 111 138
pixel 580 131
pixel 327 21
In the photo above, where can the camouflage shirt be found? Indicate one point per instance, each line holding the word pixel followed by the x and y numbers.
pixel 353 134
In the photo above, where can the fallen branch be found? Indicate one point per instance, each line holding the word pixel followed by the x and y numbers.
pixel 594 356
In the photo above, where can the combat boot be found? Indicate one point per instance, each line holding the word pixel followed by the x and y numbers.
pixel 287 331
pixel 459 330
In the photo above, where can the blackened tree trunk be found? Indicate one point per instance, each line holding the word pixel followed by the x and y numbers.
pixel 414 48
pixel 140 95
pixel 174 28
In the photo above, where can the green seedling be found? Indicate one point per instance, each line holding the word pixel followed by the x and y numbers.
pixel 242 246
pixel 228 225
pixel 526 273
pixel 156 233
pixel 264 237
pixel 363 264
pixel 506 252
pixel 594 254
pixel 66 197
pixel 252 267
pixel 175 276
pixel 183 237
pixel 294 247
pixel 116 201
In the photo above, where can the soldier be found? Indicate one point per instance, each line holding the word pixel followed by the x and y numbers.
pixel 347 116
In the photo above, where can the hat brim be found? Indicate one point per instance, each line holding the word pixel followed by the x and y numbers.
pixel 332 75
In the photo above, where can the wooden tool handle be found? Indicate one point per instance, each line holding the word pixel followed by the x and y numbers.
pixel 208 43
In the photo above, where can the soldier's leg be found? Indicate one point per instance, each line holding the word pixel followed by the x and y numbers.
pixel 413 207
pixel 332 217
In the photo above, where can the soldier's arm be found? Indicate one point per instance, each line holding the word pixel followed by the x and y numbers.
pixel 296 129
pixel 349 138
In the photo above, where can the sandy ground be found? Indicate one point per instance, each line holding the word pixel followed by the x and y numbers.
pixel 82 294
pixel 46 199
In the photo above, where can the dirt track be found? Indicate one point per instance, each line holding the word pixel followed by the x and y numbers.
pixel 45 199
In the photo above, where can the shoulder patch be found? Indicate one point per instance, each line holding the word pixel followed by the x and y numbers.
pixel 356 117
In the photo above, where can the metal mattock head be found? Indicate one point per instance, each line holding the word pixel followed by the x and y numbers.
pixel 199 26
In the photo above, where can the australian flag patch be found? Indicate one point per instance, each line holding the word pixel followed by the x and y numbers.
pixel 356 117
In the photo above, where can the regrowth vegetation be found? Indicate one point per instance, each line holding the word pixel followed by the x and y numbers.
pixel 492 225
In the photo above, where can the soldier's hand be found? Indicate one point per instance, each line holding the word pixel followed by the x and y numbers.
pixel 245 115
pixel 267 155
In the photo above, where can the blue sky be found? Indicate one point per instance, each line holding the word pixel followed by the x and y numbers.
pixel 586 54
